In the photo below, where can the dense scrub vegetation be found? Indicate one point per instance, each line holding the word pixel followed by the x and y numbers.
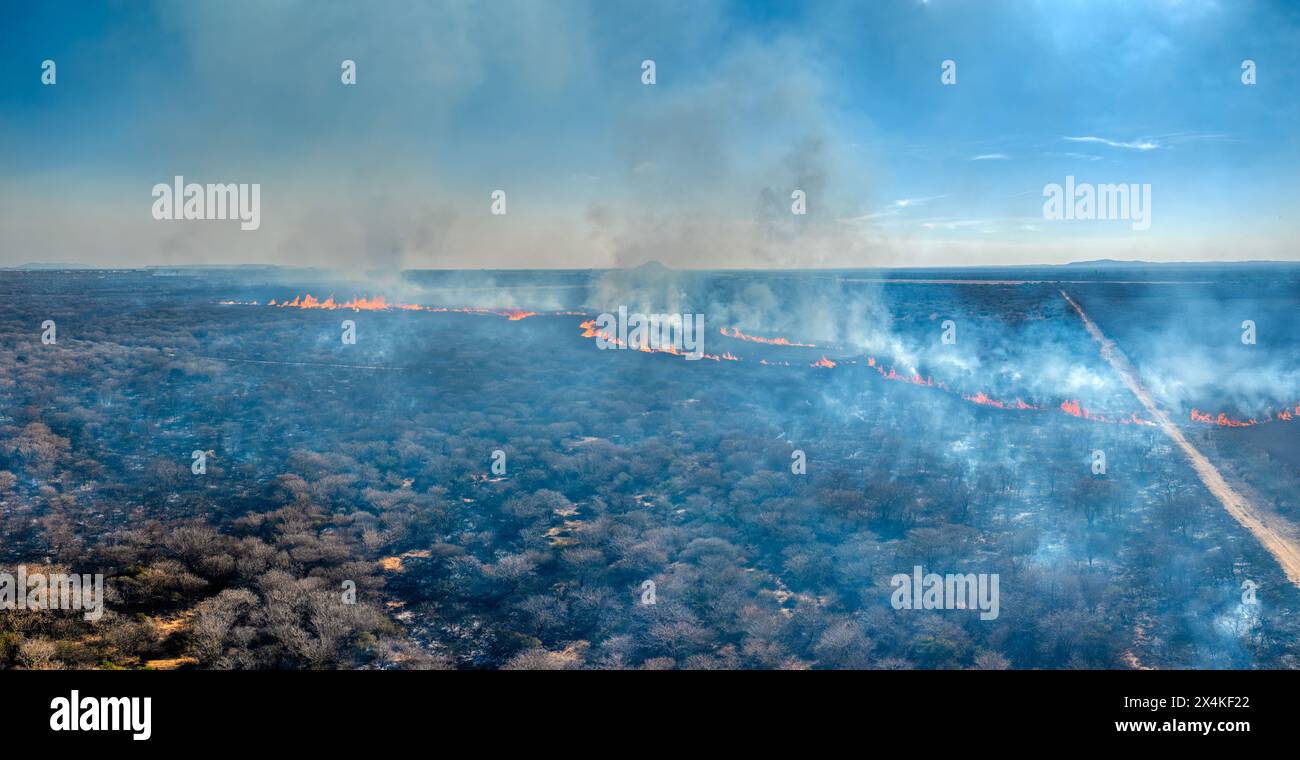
pixel 371 464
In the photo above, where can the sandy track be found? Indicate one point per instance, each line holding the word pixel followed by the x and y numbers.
pixel 1276 534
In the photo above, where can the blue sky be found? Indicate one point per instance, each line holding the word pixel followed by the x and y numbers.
pixel 544 100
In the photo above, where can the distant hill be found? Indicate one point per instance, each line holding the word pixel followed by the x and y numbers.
pixel 1118 264
pixel 1109 263
pixel 651 267
pixel 50 265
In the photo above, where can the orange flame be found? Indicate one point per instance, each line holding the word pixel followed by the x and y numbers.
pixel 738 335
pixel 1072 408
pixel 589 331
pixel 981 398
pixel 379 303
pixel 1223 420
pixel 1069 406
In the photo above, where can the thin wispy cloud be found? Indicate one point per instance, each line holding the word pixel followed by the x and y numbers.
pixel 1079 156
pixel 990 157
pixel 893 209
pixel 1142 145
pixel 1180 137
pixel 869 217
pixel 911 202
pixel 985 224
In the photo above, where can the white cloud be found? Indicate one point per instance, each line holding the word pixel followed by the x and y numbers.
pixel 1140 144
pixel 910 202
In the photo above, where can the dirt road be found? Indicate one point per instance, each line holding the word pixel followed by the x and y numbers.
pixel 1276 534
